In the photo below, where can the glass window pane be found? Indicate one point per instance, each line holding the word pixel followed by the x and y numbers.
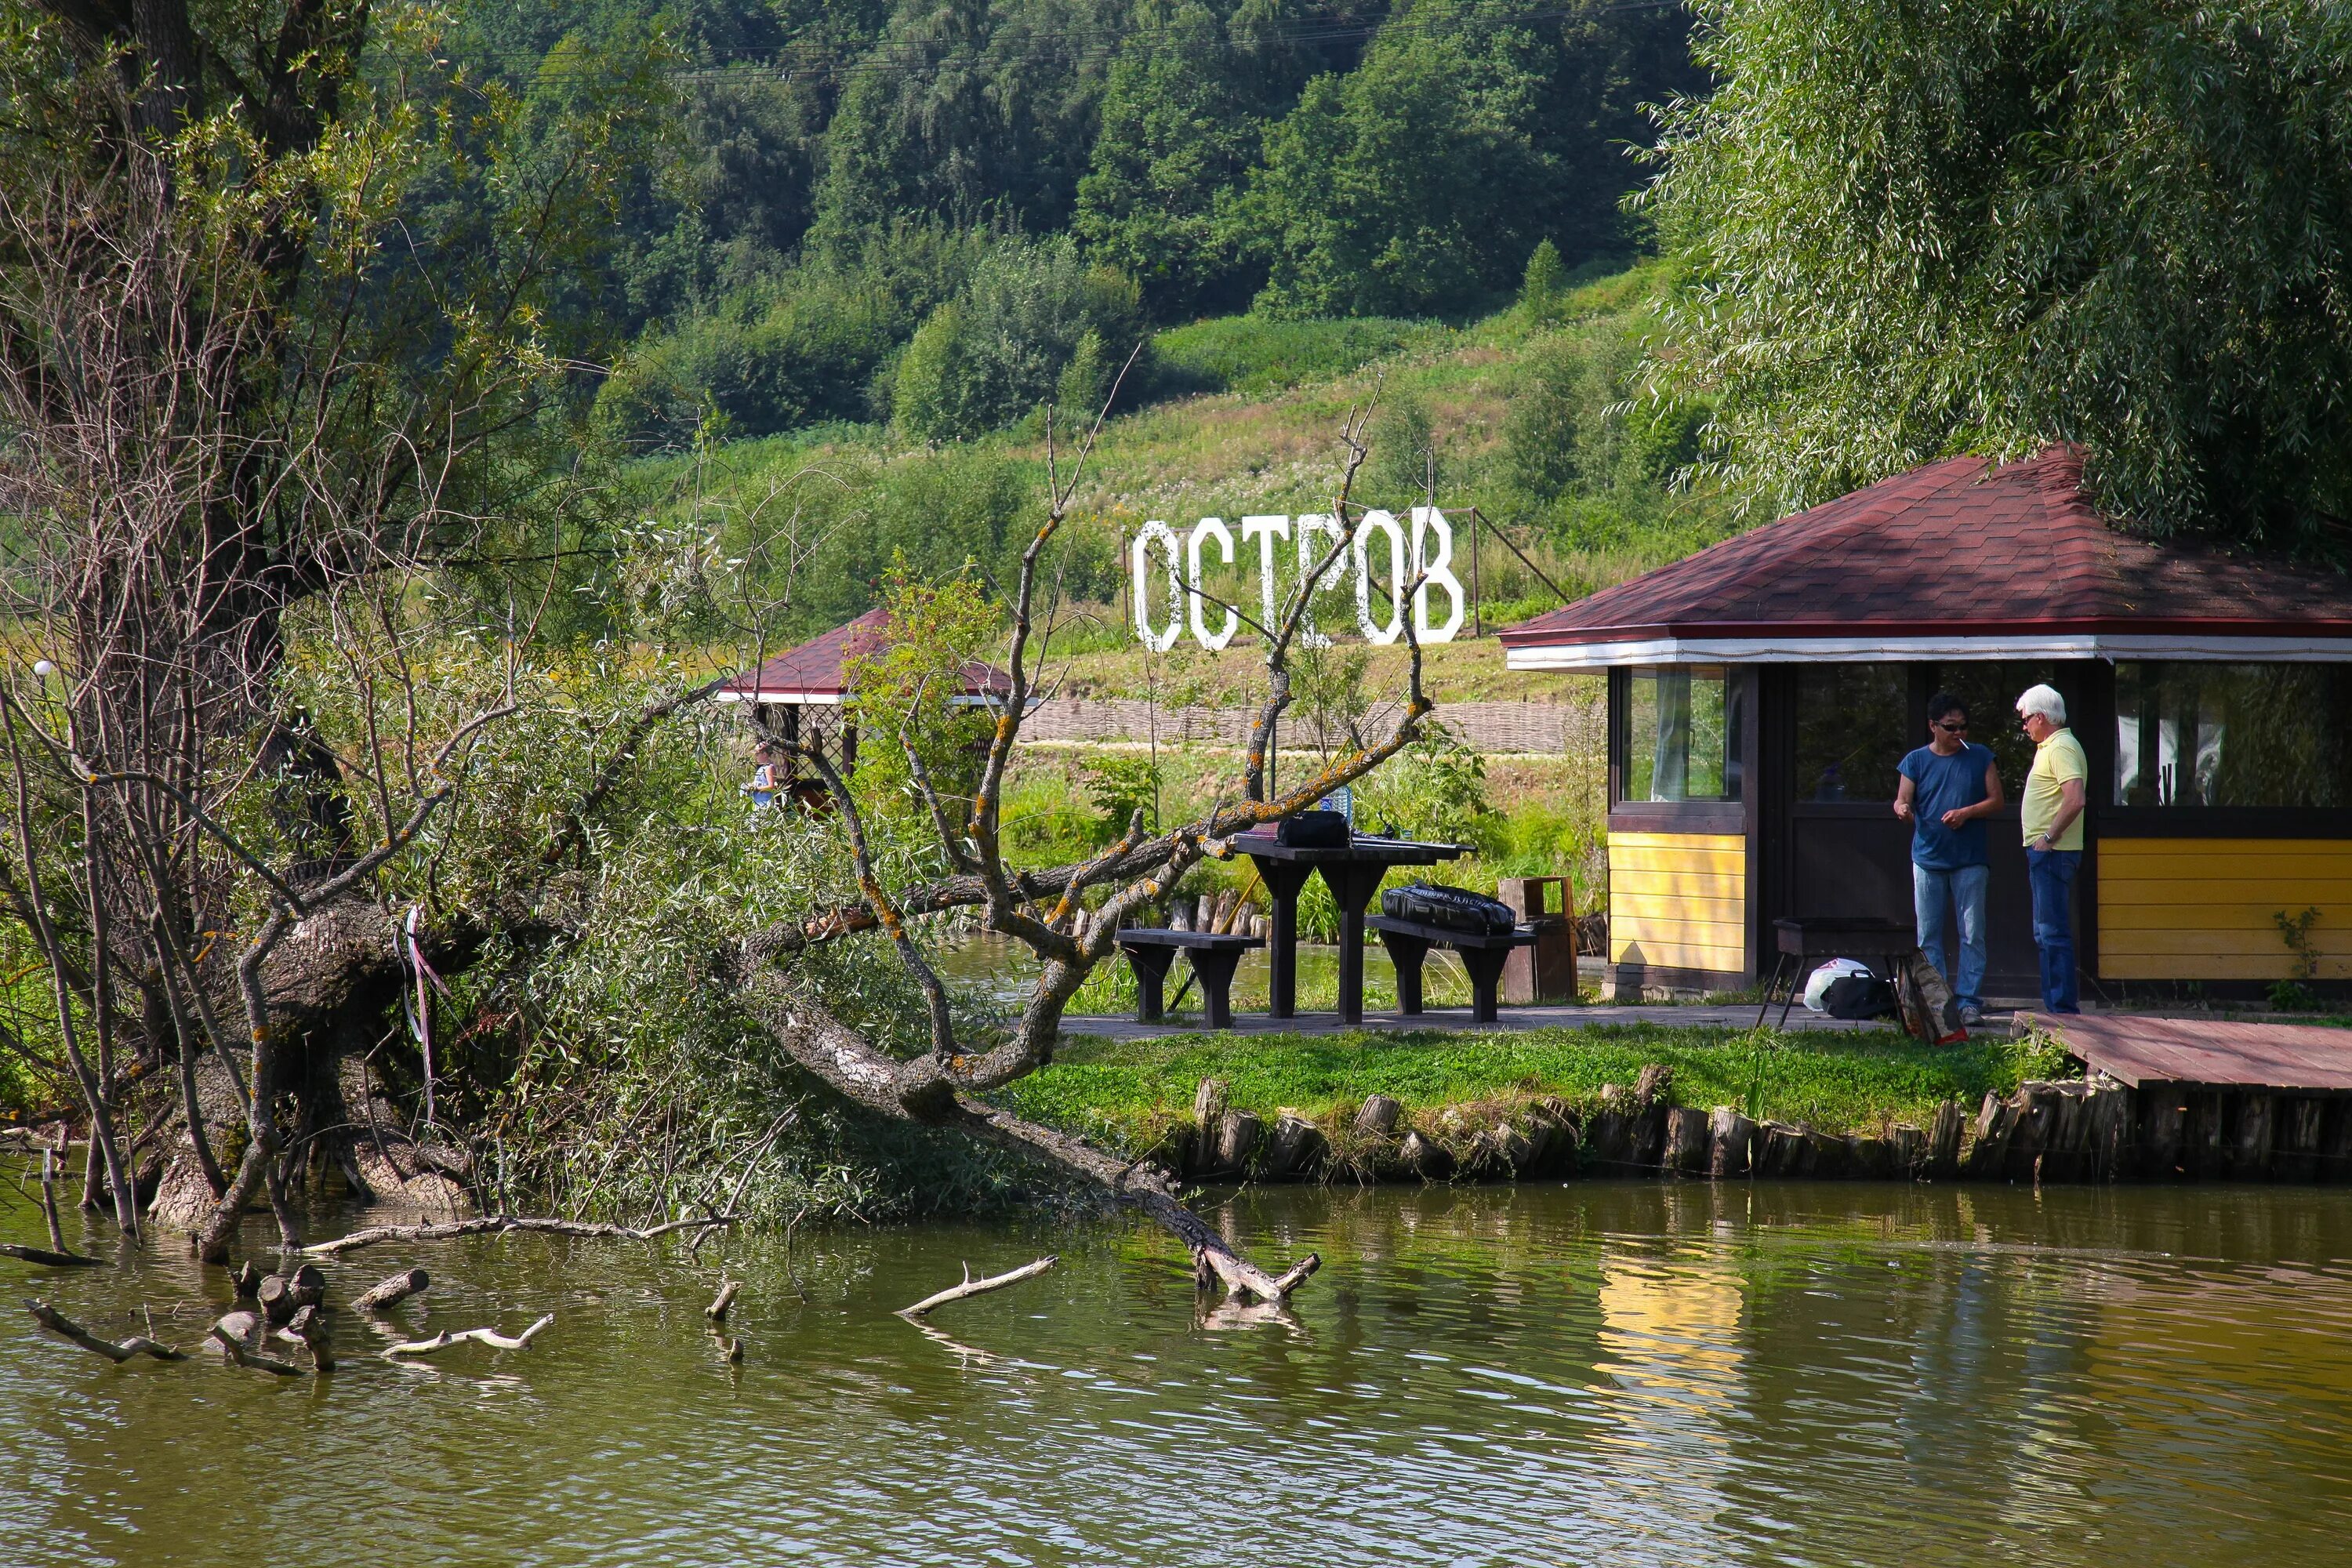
pixel 1852 728
pixel 2233 734
pixel 1682 734
pixel 1990 689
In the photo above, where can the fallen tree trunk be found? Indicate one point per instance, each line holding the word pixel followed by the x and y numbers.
pixel 1147 1188
pixel 116 1350
pixel 716 1310
pixel 501 1224
pixel 491 1337
pixel 971 1286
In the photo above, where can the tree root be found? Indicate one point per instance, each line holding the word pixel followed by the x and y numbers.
pixel 491 1337
pixel 500 1225
pixel 971 1286
pixel 117 1351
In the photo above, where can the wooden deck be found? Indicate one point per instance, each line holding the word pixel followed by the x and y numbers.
pixel 2207 1053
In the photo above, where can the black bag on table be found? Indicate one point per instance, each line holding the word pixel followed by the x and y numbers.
pixel 1312 830
pixel 1448 908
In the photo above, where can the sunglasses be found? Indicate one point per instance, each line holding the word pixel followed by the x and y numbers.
pixel 1950 729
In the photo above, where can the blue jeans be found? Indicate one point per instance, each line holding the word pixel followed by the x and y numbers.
pixel 2052 872
pixel 1962 888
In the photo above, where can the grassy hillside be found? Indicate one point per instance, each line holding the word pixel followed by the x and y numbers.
pixel 1535 416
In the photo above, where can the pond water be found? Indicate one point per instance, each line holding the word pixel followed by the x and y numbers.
pixel 1593 1374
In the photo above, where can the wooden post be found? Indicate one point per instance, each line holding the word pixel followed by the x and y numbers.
pixel 1731 1143
pixel 1944 1143
pixel 2297 1159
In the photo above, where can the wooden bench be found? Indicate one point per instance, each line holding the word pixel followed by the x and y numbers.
pixel 1150 950
pixel 1483 956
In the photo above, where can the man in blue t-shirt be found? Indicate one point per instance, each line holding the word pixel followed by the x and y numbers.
pixel 1950 785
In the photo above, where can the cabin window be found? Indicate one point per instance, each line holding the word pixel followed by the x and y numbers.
pixel 1681 740
pixel 1852 729
pixel 2193 734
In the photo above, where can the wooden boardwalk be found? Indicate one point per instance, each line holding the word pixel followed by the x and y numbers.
pixel 2207 1053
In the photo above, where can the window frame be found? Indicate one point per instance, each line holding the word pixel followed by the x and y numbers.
pixel 1732 815
pixel 2199 820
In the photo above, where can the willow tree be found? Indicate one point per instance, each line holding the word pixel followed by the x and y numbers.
pixel 1916 230
pixel 246 441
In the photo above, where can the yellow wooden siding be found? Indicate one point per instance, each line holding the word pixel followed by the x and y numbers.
pixel 1678 901
pixel 2203 908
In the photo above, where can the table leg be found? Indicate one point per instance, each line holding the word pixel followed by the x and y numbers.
pixel 1351 889
pixel 1150 966
pixel 1283 878
pixel 1485 967
pixel 1216 972
pixel 1406 952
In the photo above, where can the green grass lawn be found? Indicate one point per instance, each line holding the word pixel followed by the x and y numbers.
pixel 1130 1091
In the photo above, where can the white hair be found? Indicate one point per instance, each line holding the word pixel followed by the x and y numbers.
pixel 2044 700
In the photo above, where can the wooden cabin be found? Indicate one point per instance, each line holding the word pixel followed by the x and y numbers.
pixel 1762 692
pixel 803 693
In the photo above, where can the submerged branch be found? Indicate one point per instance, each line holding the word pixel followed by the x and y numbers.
pixel 971 1286
pixel 116 1350
pixel 500 1225
pixel 491 1337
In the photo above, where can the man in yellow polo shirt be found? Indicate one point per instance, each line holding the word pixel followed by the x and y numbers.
pixel 2057 787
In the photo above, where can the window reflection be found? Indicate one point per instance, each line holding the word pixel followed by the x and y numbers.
pixel 2232 735
pixel 1681 735
pixel 1852 728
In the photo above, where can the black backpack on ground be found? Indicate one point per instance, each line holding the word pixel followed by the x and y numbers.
pixel 1858 996
pixel 1449 908
pixel 1312 830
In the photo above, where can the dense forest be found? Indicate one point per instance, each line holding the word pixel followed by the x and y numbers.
pixel 940 214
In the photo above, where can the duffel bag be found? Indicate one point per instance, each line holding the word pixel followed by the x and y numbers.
pixel 1448 908
pixel 1858 996
pixel 1313 830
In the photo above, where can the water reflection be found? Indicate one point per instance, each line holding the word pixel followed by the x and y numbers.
pixel 1604 1374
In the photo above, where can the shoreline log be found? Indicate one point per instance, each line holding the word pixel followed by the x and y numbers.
pixel 1731 1141
pixel 1378 1116
pixel 1295 1151
pixel 1686 1141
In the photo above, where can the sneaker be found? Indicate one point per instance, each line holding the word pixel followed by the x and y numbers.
pixel 1970 1015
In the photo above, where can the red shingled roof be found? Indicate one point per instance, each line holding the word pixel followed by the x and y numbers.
pixel 816 671
pixel 1959 548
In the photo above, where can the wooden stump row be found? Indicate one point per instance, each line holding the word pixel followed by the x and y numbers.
pixel 2075 1130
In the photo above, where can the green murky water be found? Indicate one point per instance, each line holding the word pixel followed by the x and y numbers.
pixel 1596 1374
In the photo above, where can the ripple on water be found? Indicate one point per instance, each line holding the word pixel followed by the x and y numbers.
pixel 1602 1373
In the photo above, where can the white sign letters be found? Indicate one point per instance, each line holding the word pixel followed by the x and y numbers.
pixel 1429 558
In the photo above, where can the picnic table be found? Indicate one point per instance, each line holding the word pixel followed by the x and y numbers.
pixel 1353 872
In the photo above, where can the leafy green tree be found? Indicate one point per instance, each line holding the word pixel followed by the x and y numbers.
pixel 1178 136
pixel 1401 188
pixel 967 113
pixel 1545 280
pixel 1003 346
pixel 1914 231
